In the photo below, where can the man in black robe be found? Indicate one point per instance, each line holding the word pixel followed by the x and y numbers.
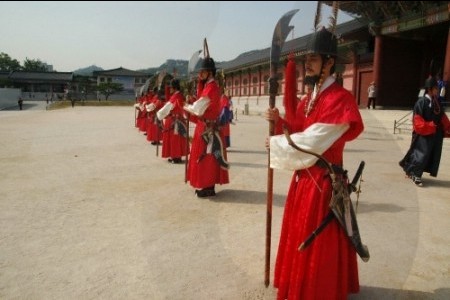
pixel 430 125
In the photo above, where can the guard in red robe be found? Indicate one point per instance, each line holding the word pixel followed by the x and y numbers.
pixel 175 132
pixel 322 122
pixel 154 126
pixel 141 113
pixel 207 164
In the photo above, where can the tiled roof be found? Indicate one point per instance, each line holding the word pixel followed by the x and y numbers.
pixel 4 75
pixel 256 57
pixel 388 10
pixel 119 72
pixel 45 76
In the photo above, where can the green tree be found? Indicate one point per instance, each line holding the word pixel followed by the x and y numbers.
pixel 109 88
pixel 34 65
pixel 86 85
pixel 8 64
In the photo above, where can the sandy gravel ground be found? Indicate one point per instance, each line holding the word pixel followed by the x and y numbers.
pixel 88 211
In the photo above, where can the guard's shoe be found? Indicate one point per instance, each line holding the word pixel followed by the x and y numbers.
pixel 204 193
pixel 417 180
pixel 176 160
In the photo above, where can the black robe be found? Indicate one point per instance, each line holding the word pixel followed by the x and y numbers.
pixel 424 154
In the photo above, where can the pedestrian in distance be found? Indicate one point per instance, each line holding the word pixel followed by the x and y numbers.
pixel 372 93
pixel 20 102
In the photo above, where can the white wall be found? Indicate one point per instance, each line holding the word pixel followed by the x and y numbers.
pixel 257 105
pixel 9 97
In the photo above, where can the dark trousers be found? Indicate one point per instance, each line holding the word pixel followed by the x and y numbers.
pixel 371 101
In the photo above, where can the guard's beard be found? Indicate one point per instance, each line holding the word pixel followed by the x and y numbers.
pixel 311 80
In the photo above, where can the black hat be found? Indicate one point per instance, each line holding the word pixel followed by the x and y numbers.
pixel 175 83
pixel 430 82
pixel 208 64
pixel 322 42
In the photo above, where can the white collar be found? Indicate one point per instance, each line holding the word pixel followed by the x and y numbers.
pixel 329 81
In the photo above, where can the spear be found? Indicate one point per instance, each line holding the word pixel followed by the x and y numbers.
pixel 280 34
pixel 191 67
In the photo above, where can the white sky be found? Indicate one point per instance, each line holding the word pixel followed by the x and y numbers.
pixel 139 35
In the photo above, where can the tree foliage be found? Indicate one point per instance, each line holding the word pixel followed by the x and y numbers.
pixel 7 64
pixel 109 88
pixel 86 85
pixel 34 65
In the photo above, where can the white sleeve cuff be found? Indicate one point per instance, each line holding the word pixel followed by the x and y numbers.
pixel 150 107
pixel 199 107
pixel 164 111
pixel 316 138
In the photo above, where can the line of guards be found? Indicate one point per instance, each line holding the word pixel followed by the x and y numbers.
pixel 164 115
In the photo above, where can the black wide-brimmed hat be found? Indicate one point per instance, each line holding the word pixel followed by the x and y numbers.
pixel 430 82
pixel 175 83
pixel 322 42
pixel 325 42
pixel 208 64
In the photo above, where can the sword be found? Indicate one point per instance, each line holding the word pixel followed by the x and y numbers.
pixel 330 216
pixel 280 34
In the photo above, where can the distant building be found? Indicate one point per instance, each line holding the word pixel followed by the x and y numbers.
pixel 131 80
pixel 48 67
pixel 40 82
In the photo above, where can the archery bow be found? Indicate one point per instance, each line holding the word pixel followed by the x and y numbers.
pixel 341 205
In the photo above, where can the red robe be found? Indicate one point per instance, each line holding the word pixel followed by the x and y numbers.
pixel 154 132
pixel 174 145
pixel 206 172
pixel 327 269
pixel 147 100
pixel 141 114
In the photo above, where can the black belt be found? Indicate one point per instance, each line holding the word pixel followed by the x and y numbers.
pixel 336 168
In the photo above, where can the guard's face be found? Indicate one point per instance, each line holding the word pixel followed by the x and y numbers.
pixel 203 75
pixel 313 65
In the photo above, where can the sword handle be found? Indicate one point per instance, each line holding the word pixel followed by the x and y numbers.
pixel 352 186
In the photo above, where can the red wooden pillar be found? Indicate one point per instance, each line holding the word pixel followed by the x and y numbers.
pixel 377 58
pixel 240 83
pixel 250 83
pixel 355 83
pixel 259 81
pixel 446 71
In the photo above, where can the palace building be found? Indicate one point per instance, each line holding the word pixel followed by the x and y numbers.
pixel 394 43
